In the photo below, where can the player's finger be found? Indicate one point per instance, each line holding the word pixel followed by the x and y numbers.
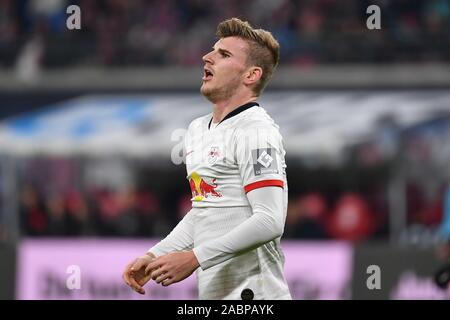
pixel 156 273
pixel 168 282
pixel 125 278
pixel 127 272
pixel 162 277
pixel 136 286
pixel 148 269
pixel 155 264
pixel 138 265
pixel 133 284
pixel 129 279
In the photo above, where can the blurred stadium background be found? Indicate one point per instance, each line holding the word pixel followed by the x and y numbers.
pixel 91 118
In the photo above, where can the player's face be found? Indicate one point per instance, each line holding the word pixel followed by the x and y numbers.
pixel 224 69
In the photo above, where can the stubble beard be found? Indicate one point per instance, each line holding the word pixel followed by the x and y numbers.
pixel 217 94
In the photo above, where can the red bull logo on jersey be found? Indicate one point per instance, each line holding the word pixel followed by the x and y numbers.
pixel 201 189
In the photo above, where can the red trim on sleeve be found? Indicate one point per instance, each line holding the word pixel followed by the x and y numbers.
pixel 264 183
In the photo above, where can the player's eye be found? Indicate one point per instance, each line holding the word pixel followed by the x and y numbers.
pixel 225 55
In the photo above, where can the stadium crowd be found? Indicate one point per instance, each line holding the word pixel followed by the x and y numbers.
pixel 178 32
pixel 136 212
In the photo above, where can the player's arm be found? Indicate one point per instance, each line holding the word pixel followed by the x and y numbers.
pixel 266 224
pixel 179 239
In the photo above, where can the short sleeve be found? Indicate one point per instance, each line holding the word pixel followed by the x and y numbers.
pixel 260 157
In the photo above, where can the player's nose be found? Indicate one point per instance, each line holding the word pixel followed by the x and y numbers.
pixel 207 58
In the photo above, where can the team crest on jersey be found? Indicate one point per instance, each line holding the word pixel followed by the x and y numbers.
pixel 201 189
pixel 213 154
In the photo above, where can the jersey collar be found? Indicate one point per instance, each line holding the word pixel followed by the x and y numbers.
pixel 236 111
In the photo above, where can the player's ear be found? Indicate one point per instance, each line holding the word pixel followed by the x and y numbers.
pixel 253 75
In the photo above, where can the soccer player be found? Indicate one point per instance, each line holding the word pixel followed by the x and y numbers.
pixel 236 170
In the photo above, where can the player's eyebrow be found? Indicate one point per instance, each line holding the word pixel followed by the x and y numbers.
pixel 222 51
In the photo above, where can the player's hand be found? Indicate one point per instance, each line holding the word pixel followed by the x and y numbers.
pixel 134 274
pixel 172 267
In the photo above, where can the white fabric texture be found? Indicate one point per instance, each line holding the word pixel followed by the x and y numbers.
pixel 265 224
pixel 179 239
pixel 222 161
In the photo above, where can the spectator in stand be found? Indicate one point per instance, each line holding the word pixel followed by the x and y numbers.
pixel 34 220
pixel 57 215
pixel 148 210
pixel 352 219
pixel 305 220
pixel 78 214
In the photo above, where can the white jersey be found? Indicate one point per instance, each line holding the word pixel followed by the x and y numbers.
pixel 224 162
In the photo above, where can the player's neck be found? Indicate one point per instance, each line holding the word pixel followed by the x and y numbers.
pixel 222 108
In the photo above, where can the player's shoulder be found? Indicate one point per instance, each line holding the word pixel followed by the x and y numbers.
pixel 256 118
pixel 199 122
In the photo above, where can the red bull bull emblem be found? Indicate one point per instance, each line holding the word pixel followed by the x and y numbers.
pixel 201 189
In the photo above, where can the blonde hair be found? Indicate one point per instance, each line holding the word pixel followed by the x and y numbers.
pixel 263 51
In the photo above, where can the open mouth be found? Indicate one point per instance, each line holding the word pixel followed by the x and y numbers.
pixel 207 74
